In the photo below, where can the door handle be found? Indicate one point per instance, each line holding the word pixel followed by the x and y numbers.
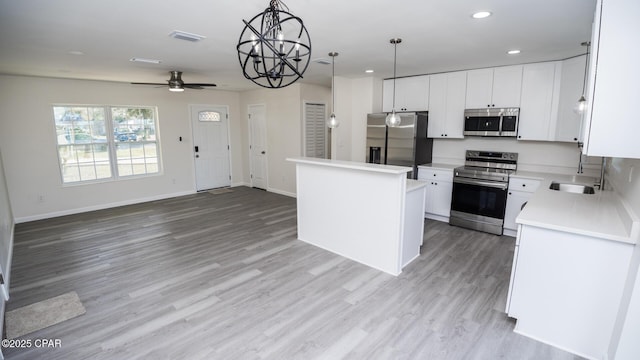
pixel 262 152
pixel 196 148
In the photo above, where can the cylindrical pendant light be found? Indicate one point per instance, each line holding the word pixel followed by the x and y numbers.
pixel 333 122
pixel 393 119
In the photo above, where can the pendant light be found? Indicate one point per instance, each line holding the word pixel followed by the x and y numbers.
pixel 582 102
pixel 393 119
pixel 274 48
pixel 333 122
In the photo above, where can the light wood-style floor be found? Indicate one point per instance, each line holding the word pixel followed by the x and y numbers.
pixel 223 277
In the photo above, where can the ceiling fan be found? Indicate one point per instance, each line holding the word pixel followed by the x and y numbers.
pixel 176 84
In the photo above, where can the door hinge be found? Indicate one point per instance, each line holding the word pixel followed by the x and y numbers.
pixel 228 148
pixel 249 116
pixel 227 116
pixel 251 176
pixel 229 177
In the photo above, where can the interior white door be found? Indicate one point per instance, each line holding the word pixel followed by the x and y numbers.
pixel 210 126
pixel 258 145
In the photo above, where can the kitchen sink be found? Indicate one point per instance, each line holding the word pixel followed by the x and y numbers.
pixel 572 188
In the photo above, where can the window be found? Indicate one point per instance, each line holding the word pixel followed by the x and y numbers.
pixel 315 130
pixel 105 142
pixel 209 116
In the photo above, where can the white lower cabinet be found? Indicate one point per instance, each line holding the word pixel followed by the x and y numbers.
pixel 520 191
pixel 566 288
pixel 438 192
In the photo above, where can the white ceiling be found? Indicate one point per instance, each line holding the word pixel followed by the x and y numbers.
pixel 37 36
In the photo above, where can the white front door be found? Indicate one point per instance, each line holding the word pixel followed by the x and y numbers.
pixel 210 126
pixel 258 145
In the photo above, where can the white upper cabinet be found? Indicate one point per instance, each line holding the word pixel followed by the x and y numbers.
pixel 539 105
pixel 494 87
pixel 569 123
pixel 611 122
pixel 412 94
pixel 447 93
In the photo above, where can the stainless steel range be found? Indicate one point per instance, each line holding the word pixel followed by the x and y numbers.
pixel 479 195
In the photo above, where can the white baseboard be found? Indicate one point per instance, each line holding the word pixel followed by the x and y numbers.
pixel 281 192
pixel 100 207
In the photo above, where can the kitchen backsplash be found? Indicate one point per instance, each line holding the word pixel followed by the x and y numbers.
pixel 539 156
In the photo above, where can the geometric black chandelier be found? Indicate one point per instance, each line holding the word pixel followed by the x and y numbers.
pixel 274 48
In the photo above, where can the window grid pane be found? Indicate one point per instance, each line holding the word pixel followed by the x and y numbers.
pixel 84 142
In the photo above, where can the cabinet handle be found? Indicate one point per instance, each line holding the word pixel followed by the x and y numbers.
pixel 434 174
pixel 523 185
pixel 509 193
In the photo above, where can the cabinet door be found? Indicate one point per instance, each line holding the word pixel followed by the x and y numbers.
pixel 437 105
pixel 612 126
pixel 515 200
pixel 387 95
pixel 479 84
pixel 507 83
pixel 456 96
pixel 569 123
pixel 412 93
pixel 441 198
pixel 536 109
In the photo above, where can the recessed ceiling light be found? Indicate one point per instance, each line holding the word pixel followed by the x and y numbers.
pixel 369 71
pixel 143 60
pixel 513 52
pixel 183 35
pixel 481 15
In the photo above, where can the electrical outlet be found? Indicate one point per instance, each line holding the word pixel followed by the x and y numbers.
pixel 173 181
pixel 40 198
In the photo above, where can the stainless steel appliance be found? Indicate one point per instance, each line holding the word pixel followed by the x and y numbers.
pixel 479 196
pixel 491 122
pixel 404 145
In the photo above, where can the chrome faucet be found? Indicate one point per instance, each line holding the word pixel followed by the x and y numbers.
pixel 580 144
pixel 600 183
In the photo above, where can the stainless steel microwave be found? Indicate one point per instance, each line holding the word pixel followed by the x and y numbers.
pixel 491 122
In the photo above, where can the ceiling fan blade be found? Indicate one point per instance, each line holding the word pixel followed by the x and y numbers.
pixel 142 83
pixel 200 84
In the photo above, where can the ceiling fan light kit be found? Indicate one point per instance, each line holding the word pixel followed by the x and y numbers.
pixel 274 48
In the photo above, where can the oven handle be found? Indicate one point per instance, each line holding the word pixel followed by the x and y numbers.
pixel 497 185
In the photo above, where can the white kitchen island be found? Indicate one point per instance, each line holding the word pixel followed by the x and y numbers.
pixel 369 213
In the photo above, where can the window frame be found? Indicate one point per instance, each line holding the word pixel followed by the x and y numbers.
pixel 111 144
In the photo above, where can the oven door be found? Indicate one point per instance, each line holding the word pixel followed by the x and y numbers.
pixel 484 198
pixel 478 204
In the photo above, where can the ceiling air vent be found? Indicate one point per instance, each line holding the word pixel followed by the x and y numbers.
pixel 182 35
pixel 322 61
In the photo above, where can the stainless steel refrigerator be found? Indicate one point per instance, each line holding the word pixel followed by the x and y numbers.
pixel 405 145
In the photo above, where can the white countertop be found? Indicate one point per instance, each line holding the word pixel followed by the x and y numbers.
pixel 600 215
pixel 415 184
pixel 388 169
pixel 439 166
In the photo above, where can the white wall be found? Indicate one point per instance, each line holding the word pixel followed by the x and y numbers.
pixel 355 99
pixel 284 130
pixel 27 135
